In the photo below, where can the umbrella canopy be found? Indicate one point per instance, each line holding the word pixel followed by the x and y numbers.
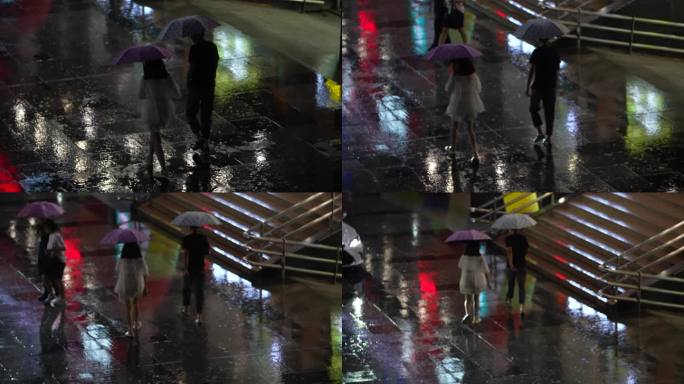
pixel 187 26
pixel 467 235
pixel 514 221
pixel 536 29
pixel 446 52
pixel 124 235
pixel 142 53
pixel 195 219
pixel 41 209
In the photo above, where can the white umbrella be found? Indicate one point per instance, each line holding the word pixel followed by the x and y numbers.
pixel 514 221
pixel 187 26
pixel 536 29
pixel 195 219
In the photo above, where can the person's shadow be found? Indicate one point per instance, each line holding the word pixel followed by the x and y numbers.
pixel 52 336
pixel 200 175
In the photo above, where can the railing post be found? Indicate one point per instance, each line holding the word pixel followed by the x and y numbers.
pixel 579 28
pixel 639 294
pixel 284 264
pixel 337 263
pixel 631 34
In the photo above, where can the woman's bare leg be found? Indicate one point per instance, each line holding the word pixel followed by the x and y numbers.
pixel 135 313
pixel 454 136
pixel 129 315
pixel 476 307
pixel 443 36
pixel 473 139
pixel 158 150
pixel 464 37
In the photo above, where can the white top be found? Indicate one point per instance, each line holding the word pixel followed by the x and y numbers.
pixel 464 99
pixel 56 243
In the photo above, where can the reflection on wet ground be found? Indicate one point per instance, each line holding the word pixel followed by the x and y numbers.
pixel 401 321
pixel 70 121
pixel 614 129
pixel 258 333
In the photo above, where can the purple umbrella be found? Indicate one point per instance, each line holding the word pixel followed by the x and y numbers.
pixel 41 209
pixel 142 53
pixel 467 235
pixel 124 235
pixel 446 52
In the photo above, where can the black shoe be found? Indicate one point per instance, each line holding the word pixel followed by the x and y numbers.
pixel 539 139
pixel 44 296
pixel 465 319
pixel 547 141
pixel 475 161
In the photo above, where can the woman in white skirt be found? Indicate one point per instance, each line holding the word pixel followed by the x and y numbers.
pixel 474 279
pixel 131 283
pixel 157 89
pixel 464 103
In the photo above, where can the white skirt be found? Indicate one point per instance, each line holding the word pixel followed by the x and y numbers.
pixel 130 283
pixel 473 278
pixel 465 102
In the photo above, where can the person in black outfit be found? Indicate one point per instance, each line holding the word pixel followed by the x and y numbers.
pixel 516 250
pixel 43 263
pixel 203 61
pixel 440 10
pixel 195 249
pixel 541 88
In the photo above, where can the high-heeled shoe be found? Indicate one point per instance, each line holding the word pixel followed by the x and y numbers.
pixel 475 161
pixel 465 318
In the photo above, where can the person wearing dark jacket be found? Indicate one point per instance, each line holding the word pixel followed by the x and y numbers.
pixel 516 251
pixel 195 249
pixel 541 88
pixel 203 61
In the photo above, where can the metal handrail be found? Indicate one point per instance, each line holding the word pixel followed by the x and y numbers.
pixel 658 235
pixel 332 200
pixel 639 287
pixel 287 210
pixel 284 254
pixel 579 25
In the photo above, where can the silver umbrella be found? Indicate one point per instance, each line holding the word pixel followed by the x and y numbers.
pixel 195 219
pixel 187 26
pixel 536 29
pixel 514 221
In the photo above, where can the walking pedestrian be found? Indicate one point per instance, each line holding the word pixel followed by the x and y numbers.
pixel 464 103
pixel 195 249
pixel 56 262
pixel 516 250
pixel 157 90
pixel 541 88
pixel 44 262
pixel 440 9
pixel 474 279
pixel 453 19
pixel 131 283
pixel 203 61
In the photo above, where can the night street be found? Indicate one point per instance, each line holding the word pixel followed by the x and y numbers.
pixel 70 120
pixel 618 116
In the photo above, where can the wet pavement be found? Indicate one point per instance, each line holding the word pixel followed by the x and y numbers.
pixel 257 333
pixel 401 320
pixel 70 121
pixel 615 129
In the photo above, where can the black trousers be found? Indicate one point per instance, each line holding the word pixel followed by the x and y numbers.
pixel 439 24
pixel 194 281
pixel 519 276
pixel 200 99
pixel 547 97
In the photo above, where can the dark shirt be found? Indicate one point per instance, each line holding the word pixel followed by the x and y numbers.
pixel 203 60
pixel 197 246
pixel 546 63
pixel 42 247
pixel 519 245
pixel 440 8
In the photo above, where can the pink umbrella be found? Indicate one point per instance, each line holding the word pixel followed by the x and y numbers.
pixel 142 53
pixel 41 209
pixel 446 52
pixel 124 235
pixel 467 235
